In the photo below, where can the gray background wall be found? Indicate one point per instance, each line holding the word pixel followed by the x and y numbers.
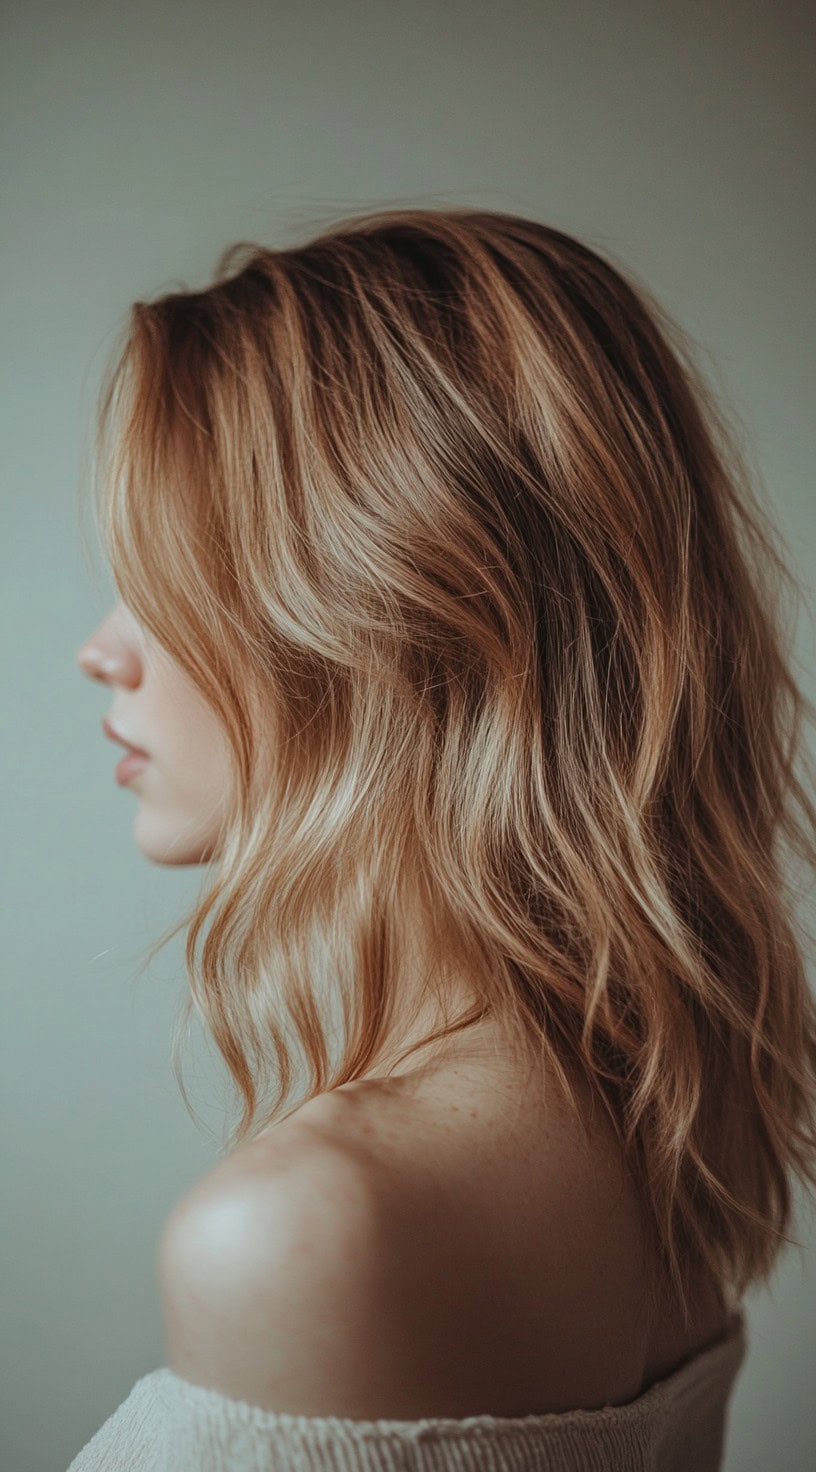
pixel 136 142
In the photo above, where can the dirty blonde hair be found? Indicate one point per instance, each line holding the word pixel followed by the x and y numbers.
pixel 442 518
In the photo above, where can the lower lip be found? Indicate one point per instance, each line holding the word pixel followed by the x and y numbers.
pixel 129 766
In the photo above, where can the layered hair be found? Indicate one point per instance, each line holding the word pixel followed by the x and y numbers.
pixel 441 516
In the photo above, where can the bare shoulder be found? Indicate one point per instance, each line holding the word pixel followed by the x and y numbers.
pixel 382 1255
pixel 273 1277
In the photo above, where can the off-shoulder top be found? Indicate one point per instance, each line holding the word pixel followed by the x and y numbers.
pixel 678 1424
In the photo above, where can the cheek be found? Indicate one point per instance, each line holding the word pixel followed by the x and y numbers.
pixel 184 799
pixel 201 769
pixel 191 766
pixel 193 750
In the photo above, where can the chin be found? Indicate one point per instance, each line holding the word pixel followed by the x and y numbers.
pixel 171 846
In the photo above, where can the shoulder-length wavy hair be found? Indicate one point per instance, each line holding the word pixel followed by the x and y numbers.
pixel 441 517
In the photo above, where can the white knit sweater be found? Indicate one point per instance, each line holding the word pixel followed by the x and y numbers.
pixel 167 1424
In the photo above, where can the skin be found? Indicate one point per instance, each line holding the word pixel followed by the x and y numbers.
pixel 184 788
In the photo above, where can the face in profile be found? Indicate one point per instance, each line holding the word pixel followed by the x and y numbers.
pixel 183 784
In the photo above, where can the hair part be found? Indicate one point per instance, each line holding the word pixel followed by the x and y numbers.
pixel 440 515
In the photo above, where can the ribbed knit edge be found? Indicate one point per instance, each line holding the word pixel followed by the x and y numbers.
pixel 721 1361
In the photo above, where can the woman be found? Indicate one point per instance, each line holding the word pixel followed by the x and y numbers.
pixel 446 623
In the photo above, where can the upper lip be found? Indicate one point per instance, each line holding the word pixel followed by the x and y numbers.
pixel 114 735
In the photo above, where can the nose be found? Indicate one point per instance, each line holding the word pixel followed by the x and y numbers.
pixel 107 656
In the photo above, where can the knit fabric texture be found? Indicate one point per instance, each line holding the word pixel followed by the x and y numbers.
pixel 678 1424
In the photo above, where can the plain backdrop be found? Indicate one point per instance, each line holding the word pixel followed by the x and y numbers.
pixel 137 141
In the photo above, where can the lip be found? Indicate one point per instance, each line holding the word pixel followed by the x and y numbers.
pixel 114 735
pixel 129 767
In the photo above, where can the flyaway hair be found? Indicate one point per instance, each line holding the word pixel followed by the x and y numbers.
pixel 442 518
